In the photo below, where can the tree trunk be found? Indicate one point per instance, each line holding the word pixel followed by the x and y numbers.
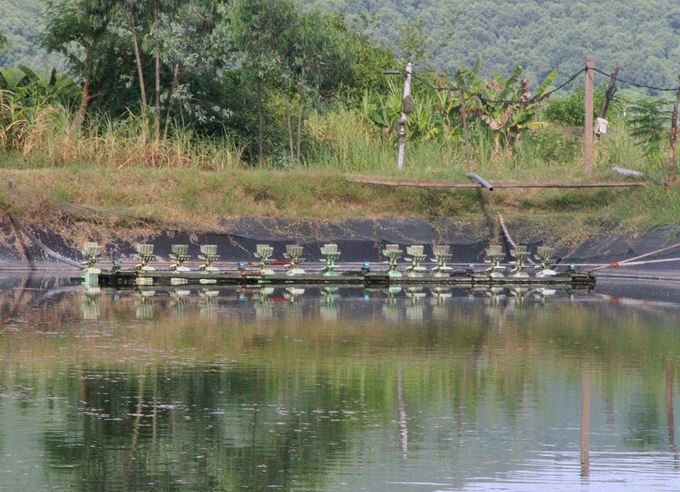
pixel 138 58
pixel 173 86
pixel 672 165
pixel 157 109
pixel 299 128
pixel 290 128
pixel 175 75
pixel 609 95
pixel 463 113
pixel 86 97
pixel 260 140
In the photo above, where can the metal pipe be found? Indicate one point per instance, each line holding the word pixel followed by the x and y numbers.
pixel 439 184
pixel 629 260
pixel 480 180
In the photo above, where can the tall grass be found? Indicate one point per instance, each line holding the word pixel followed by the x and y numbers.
pixel 49 138
pixel 345 141
pixel 339 140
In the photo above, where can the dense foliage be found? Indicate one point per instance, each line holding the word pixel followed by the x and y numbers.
pixel 212 66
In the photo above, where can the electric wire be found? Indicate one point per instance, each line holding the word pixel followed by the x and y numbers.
pixel 539 98
pixel 635 84
pixel 533 98
pixel 500 101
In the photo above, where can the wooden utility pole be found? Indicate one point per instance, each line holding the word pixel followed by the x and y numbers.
pixel 401 124
pixel 672 165
pixel 609 95
pixel 588 120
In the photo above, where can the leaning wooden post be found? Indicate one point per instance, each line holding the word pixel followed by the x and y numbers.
pixel 609 95
pixel 588 120
pixel 465 131
pixel 672 165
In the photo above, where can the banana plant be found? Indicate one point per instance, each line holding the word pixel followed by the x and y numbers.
pixel 383 114
pixel 505 105
pixel 33 89
pixel 23 95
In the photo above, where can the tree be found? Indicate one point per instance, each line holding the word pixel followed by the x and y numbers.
pixel 415 43
pixel 189 40
pixel 649 119
pixel 369 58
pixel 569 109
pixel 505 105
pixel 317 64
pixel 287 50
pixel 263 32
pixel 76 26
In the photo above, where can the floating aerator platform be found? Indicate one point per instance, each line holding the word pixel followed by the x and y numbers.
pixel 261 273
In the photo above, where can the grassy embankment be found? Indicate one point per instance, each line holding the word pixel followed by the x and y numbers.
pixel 118 178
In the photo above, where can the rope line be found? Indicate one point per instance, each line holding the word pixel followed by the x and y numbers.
pixel 500 101
pixel 533 98
pixel 641 86
pixel 544 95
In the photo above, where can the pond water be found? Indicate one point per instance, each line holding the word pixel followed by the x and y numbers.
pixel 221 389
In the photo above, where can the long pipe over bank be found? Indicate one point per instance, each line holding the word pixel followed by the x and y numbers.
pixel 440 184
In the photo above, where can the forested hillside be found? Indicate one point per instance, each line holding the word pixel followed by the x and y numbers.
pixel 20 20
pixel 541 35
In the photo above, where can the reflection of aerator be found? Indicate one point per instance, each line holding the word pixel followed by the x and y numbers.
pixel 144 307
pixel 90 301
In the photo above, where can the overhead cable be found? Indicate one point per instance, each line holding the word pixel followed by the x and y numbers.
pixel 499 101
pixel 546 94
pixel 635 84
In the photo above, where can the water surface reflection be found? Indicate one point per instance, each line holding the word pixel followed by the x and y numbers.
pixel 335 389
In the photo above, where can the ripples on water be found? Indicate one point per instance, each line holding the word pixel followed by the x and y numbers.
pixel 337 389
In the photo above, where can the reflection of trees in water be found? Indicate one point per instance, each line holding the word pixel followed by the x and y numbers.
pixel 208 429
pixel 271 421
pixel 644 424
